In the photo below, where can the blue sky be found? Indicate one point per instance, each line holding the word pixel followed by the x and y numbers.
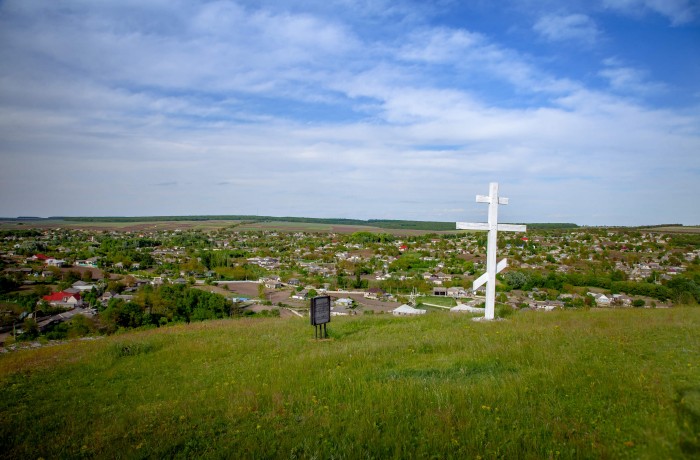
pixel 582 111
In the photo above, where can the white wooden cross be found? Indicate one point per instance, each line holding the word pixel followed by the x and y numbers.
pixel 493 227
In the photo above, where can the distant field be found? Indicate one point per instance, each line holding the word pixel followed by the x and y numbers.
pixel 674 229
pixel 567 384
pixel 286 226
pixel 339 225
pixel 133 224
pixel 207 225
pixel 119 226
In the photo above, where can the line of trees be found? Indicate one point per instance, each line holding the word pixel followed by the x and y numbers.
pixel 155 306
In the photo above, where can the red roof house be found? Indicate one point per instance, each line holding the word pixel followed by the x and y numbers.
pixel 63 298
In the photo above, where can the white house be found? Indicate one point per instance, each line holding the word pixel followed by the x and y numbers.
pixel 55 263
pixel 83 286
pixel 344 302
pixel 602 300
pixel 407 310
pixel 273 284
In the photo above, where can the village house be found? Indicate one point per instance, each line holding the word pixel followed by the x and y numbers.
pixel 407 310
pixel 456 291
pixel 89 263
pixel 83 286
pixel 63 299
pixel 344 302
pixel 620 300
pixel 272 283
pixel 105 298
pixel 55 263
pixel 38 257
pixel 602 300
pixel 375 293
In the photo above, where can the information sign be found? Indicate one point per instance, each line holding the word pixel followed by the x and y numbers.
pixel 320 310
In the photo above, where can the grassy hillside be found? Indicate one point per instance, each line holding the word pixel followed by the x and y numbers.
pixel 577 384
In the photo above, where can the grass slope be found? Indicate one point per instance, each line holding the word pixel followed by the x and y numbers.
pixel 582 384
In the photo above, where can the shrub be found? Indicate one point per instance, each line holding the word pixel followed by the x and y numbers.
pixel 504 311
pixel 130 348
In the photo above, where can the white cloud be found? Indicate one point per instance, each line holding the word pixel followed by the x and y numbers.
pixel 573 27
pixel 441 45
pixel 220 108
pixel 474 57
pixel 627 79
pixel 678 11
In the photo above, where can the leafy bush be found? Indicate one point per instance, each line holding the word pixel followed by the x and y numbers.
pixel 504 311
pixel 130 348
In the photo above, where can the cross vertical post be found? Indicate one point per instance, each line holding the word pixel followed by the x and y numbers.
pixel 492 267
pixel 491 246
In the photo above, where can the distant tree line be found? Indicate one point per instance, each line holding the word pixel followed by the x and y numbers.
pixel 381 223
pixel 19 233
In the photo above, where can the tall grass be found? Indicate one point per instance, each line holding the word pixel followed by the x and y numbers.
pixel 582 384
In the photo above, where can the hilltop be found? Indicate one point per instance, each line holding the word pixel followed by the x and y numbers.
pixel 571 384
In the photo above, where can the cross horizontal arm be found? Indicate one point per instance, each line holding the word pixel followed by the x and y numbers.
pixel 485 227
pixel 472 226
pixel 512 228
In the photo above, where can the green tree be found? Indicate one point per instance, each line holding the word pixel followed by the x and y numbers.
pixel 30 329
pixel 42 290
pixel 684 290
pixel 80 326
pixel 516 280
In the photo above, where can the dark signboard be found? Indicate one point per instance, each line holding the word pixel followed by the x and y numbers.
pixel 320 310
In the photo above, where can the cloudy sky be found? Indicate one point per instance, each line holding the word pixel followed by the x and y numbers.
pixel 583 111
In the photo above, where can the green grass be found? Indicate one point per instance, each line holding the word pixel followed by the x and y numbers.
pixel 442 301
pixel 570 384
